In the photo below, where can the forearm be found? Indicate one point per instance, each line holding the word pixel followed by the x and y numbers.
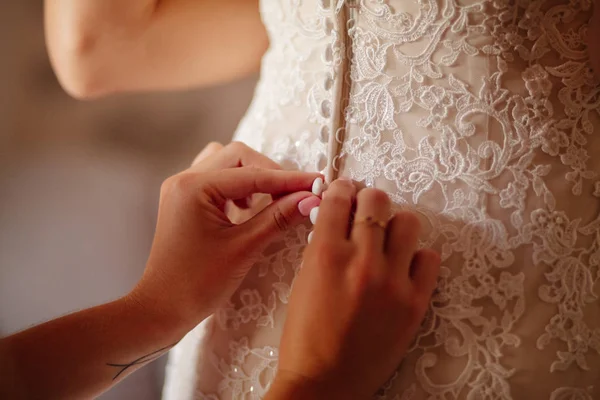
pixel 85 353
pixel 99 47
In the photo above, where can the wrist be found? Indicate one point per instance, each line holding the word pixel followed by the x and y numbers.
pixel 156 316
pixel 171 301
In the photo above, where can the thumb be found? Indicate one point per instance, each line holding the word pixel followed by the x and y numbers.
pixel 275 220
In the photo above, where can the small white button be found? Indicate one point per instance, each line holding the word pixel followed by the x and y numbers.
pixel 313 215
pixel 326 108
pixel 322 162
pixel 310 236
pixel 317 187
pixel 324 137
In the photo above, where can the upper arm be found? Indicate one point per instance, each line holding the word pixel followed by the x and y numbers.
pixel 104 46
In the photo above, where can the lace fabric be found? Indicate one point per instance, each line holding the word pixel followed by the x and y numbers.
pixel 480 116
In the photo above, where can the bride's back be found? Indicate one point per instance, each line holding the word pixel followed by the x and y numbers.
pixel 482 117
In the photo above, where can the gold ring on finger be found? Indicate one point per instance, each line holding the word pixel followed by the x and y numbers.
pixel 371 222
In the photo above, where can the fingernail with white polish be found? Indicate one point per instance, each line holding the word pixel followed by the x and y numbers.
pixel 313 215
pixel 310 236
pixel 317 186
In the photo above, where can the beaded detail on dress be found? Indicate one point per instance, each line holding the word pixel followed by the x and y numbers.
pixel 480 115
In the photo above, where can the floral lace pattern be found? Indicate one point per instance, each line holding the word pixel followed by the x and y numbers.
pixel 479 115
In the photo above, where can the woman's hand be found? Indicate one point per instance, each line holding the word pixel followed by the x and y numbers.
pixel 358 301
pixel 199 257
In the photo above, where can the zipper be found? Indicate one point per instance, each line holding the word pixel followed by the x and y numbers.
pixel 344 14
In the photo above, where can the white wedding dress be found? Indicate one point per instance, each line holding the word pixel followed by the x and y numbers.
pixel 480 115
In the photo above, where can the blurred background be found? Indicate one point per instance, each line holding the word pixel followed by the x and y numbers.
pixel 79 182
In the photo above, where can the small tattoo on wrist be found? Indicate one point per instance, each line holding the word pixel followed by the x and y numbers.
pixel 140 361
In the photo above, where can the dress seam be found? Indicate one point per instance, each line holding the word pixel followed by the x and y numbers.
pixel 342 86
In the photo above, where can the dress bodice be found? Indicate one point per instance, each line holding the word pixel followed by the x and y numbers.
pixel 480 115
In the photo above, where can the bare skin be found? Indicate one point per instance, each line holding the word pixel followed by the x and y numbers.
pixel 99 47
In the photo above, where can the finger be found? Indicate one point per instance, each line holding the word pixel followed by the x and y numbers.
pixel 425 269
pixel 256 201
pixel 373 205
pixel 239 183
pixel 209 150
pixel 274 221
pixel 237 154
pixel 244 204
pixel 255 204
pixel 235 214
pixel 334 212
pixel 402 241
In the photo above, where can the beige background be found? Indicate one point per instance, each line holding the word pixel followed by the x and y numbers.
pixel 79 181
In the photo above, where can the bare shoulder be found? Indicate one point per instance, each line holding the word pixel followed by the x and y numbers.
pixel 98 47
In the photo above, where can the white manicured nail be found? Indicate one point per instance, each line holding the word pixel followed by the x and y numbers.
pixel 313 215
pixel 317 187
pixel 310 236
